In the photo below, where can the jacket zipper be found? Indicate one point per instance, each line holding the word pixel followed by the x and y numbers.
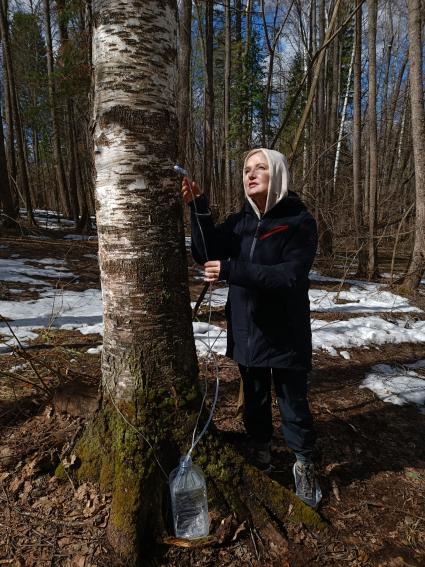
pixel 251 254
pixel 254 241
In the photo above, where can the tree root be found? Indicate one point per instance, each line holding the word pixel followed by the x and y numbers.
pixel 113 455
pixel 251 494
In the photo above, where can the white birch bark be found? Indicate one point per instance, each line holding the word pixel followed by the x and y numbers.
pixel 344 110
pixel 141 244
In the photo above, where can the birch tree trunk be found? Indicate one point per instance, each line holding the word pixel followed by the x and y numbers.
pixel 417 264
pixel 150 391
pixel 149 366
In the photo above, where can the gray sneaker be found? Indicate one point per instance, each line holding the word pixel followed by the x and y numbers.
pixel 306 486
pixel 261 457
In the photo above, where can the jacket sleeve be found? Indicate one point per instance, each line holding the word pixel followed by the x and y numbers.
pixel 209 241
pixel 298 259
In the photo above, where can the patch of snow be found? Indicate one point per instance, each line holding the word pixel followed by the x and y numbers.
pixel 54 308
pixel 209 337
pixel 396 387
pixel 332 351
pixel 345 354
pixel 315 276
pixel 95 350
pixel 362 331
pixel 218 298
pixel 359 300
pixel 14 270
pixel 20 335
pixel 50 261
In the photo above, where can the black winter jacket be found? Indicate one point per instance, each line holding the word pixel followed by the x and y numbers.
pixel 266 263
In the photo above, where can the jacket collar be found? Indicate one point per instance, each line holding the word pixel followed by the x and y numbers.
pixel 291 205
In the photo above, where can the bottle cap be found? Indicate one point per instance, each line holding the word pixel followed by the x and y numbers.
pixel 185 461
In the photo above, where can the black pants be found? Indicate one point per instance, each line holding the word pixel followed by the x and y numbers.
pixel 291 393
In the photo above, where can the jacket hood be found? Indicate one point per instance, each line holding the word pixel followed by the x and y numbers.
pixel 278 181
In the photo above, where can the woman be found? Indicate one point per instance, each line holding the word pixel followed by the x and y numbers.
pixel 265 253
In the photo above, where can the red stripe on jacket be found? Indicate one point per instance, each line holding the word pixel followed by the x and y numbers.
pixel 275 230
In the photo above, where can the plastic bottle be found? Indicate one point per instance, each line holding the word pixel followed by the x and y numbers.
pixel 189 500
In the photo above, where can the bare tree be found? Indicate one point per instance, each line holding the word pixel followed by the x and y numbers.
pixel 70 207
pixel 417 264
pixel 10 210
pixel 372 129
pixel 13 99
pixel 357 145
pixel 209 99
pixel 227 75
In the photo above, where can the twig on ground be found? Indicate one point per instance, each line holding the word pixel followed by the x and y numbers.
pixel 18 377
pixel 66 472
pixel 254 544
pixel 23 351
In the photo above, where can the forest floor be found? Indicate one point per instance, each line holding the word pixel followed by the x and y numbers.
pixel 371 453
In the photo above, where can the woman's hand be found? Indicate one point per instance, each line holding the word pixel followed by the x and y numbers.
pixel 212 270
pixel 188 195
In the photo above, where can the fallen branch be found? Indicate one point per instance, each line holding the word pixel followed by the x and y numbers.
pixel 24 380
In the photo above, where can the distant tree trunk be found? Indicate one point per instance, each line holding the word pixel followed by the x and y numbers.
pixel 10 210
pixel 237 186
pixel 372 270
pixel 326 120
pixel 183 77
pixel 10 142
pixel 357 145
pixel 391 138
pixel 23 170
pixel 227 71
pixel 338 142
pixel 246 114
pixel 417 264
pixel 72 164
pixel 209 100
pixel 69 208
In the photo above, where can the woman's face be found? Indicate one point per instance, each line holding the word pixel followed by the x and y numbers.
pixel 256 179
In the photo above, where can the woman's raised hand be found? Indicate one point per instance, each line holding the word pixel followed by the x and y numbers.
pixel 188 195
